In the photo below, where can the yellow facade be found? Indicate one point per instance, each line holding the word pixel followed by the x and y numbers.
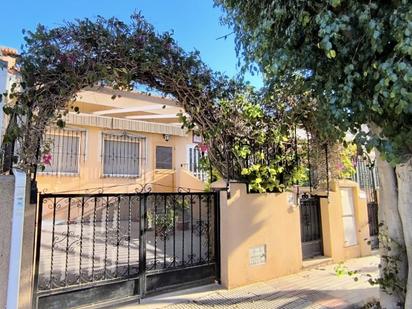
pixel 90 177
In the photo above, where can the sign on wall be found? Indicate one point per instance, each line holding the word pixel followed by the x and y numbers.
pixel 257 255
pixel 197 139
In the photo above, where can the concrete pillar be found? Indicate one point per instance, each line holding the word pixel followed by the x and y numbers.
pixel 26 272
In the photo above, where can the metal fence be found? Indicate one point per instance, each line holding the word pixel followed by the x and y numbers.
pixel 156 241
pixel 311 226
pixel 366 177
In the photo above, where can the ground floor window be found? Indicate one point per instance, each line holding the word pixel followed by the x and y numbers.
pixel 122 155
pixel 66 149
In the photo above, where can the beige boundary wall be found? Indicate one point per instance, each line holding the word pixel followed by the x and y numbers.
pixel 250 222
pixel 6 215
pixel 332 225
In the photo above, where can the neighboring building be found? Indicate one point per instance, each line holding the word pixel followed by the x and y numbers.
pixel 118 145
pixel 8 75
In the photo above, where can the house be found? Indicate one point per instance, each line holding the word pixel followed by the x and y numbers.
pixel 120 145
pixel 8 75
pixel 111 240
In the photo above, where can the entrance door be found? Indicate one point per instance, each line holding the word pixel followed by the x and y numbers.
pixel 373 224
pixel 310 226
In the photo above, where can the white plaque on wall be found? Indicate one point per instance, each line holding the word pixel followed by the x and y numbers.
pixel 257 255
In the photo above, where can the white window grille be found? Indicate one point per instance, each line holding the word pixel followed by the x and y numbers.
pixel 193 157
pixel 122 155
pixel 67 148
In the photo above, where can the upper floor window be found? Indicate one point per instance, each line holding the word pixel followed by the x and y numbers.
pixel 66 150
pixel 164 157
pixel 122 155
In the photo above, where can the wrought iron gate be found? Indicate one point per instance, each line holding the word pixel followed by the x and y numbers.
pixel 373 224
pixel 310 226
pixel 106 247
pixel 366 177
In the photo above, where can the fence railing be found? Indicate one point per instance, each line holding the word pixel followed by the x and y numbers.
pixel 92 239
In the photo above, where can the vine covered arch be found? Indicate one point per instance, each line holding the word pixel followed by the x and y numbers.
pixel 59 62
pixel 248 138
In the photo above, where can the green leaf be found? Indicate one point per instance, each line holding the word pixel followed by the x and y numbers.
pixel 335 3
pixel 331 54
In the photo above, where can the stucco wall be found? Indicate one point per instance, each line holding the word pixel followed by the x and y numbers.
pixel 332 223
pixel 27 259
pixel 6 211
pixel 250 220
pixel 187 181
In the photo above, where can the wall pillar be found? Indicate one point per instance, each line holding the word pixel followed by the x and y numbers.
pixel 260 237
pixel 362 221
pixel 336 238
pixel 7 184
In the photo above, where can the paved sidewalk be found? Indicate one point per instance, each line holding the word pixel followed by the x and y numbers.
pixel 316 288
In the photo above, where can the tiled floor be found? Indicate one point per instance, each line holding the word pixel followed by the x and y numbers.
pixel 316 288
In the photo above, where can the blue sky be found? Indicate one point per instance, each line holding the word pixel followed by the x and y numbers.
pixel 195 23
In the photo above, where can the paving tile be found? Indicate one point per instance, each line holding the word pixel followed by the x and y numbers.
pixel 317 288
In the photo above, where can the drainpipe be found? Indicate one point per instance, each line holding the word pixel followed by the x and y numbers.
pixel 13 286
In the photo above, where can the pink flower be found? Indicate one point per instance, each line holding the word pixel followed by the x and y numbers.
pixel 141 38
pixel 68 58
pixel 71 58
pixel 47 157
pixel 203 148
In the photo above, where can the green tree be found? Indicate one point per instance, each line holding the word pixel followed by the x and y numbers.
pixel 354 57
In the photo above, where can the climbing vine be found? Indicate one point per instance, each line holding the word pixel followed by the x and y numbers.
pixel 247 140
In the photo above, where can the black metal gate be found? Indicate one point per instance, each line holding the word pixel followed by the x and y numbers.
pixel 373 224
pixel 366 176
pixel 310 226
pixel 111 247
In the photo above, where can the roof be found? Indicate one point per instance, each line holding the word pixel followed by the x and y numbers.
pixel 131 105
pixel 7 51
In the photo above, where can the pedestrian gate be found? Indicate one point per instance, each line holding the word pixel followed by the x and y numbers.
pixel 107 247
pixel 311 226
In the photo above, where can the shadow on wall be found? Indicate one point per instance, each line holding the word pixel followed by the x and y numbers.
pixel 260 237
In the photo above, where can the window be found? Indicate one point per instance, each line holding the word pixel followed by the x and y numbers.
pixel 121 155
pixel 65 151
pixel 164 157
pixel 193 158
